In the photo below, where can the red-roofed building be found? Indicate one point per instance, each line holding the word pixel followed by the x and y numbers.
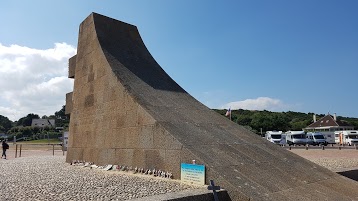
pixel 328 123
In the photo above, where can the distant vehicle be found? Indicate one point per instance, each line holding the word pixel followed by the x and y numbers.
pixel 274 136
pixel 330 139
pixel 296 137
pixel 348 137
pixel 316 138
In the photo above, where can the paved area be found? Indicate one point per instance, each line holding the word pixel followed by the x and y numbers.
pixel 39 175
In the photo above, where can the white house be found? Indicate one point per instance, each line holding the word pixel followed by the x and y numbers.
pixel 43 123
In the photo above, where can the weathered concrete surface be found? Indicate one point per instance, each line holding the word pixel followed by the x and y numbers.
pixel 187 195
pixel 126 110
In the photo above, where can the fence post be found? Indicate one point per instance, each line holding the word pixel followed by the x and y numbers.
pixel 53 150
pixel 20 149
pixel 16 151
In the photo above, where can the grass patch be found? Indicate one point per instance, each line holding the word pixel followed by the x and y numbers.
pixel 42 141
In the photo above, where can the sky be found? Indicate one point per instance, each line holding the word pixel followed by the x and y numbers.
pixel 272 55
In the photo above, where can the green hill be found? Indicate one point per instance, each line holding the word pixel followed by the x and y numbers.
pixel 258 121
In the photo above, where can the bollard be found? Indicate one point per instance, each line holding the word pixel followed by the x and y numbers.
pixel 339 147
pixel 53 150
pixel 306 146
pixel 63 149
pixel 20 150
pixel 289 148
pixel 332 145
pixel 322 147
pixel 16 151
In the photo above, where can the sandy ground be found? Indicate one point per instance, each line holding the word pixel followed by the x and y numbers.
pixel 332 154
pixel 33 150
pixel 333 159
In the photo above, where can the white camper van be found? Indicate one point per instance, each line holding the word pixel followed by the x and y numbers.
pixel 314 138
pixel 348 137
pixel 329 137
pixel 274 136
pixel 296 137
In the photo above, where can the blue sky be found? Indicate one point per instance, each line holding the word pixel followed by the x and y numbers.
pixel 275 55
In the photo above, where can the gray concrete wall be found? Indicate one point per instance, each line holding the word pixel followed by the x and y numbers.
pixel 107 125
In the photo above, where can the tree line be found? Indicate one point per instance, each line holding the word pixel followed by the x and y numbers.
pixel 252 120
pixel 283 121
pixel 22 127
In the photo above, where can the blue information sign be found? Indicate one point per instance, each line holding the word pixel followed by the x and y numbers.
pixel 193 174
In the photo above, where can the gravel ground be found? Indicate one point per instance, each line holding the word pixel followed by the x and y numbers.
pixel 335 160
pixel 48 177
pixel 38 175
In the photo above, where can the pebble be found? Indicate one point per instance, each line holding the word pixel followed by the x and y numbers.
pixel 51 178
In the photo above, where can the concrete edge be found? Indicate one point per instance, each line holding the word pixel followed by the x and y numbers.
pixel 351 173
pixel 188 195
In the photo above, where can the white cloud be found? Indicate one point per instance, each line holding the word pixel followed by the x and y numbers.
pixel 33 80
pixel 260 103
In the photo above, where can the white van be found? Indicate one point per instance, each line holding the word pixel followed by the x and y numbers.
pixel 296 137
pixel 330 139
pixel 348 137
pixel 316 138
pixel 274 136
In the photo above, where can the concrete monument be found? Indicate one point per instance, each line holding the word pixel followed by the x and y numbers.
pixel 126 110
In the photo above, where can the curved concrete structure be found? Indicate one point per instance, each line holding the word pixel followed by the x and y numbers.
pixel 126 110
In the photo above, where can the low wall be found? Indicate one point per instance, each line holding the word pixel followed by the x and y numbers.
pixel 188 195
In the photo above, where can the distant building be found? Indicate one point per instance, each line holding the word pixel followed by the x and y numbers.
pixel 43 123
pixel 328 123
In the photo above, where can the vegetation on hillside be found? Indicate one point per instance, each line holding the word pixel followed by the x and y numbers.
pixel 258 121
pixel 5 124
pixel 22 128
